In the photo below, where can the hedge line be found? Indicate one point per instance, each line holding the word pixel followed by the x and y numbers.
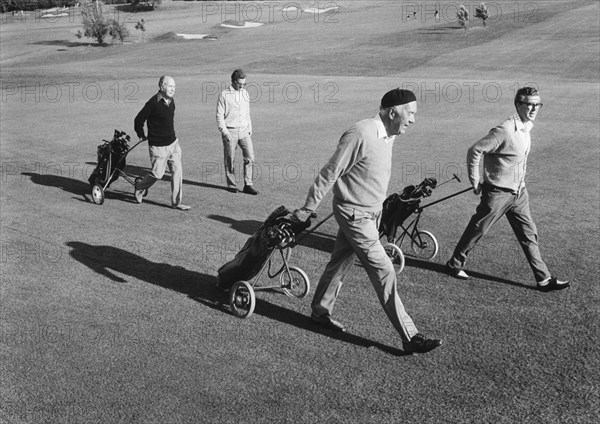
pixel 16 5
pixel 28 5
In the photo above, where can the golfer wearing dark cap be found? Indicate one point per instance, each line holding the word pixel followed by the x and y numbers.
pixel 359 173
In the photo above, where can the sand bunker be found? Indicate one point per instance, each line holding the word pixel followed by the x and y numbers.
pixel 318 10
pixel 197 36
pixel 244 25
pixel 55 12
pixel 53 15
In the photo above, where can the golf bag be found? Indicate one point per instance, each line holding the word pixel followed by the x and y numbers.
pixel 111 156
pixel 398 207
pixel 278 230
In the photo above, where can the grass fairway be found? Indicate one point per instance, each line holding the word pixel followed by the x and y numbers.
pixel 108 314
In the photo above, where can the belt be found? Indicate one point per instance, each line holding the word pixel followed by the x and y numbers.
pixel 507 190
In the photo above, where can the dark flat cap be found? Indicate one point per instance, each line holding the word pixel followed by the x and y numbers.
pixel 397 97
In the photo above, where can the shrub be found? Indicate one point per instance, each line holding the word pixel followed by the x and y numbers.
pixel 463 16
pixel 141 25
pixel 118 30
pixel 482 13
pixel 97 25
pixel 28 5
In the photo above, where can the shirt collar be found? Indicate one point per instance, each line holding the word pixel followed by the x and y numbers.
pixel 520 125
pixel 160 97
pixel 381 132
pixel 233 90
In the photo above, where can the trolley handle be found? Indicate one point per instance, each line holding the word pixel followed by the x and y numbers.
pixel 445 198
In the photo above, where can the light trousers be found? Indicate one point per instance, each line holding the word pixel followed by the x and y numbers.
pixel 160 158
pixel 358 236
pixel 238 138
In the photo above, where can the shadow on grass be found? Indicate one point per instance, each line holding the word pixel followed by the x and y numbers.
pixel 441 268
pixel 77 187
pixel 67 43
pixel 246 226
pixel 140 170
pixel 438 29
pixel 317 240
pixel 110 261
pixel 83 189
pixel 70 185
pixel 303 322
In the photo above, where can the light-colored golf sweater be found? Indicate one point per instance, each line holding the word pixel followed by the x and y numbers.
pixel 504 152
pixel 233 110
pixel 359 170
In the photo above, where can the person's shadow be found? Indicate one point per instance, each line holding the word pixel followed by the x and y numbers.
pixel 70 185
pixel 79 187
pixel 83 188
pixel 76 187
pixel 441 268
pixel 115 264
pixel 141 170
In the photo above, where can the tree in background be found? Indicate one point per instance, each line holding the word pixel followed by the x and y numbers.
pixel 145 4
pixel 482 13
pixel 118 30
pixel 97 24
pixel 30 5
pixel 463 16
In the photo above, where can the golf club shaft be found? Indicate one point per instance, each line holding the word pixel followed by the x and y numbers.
pixel 454 177
pixel 447 197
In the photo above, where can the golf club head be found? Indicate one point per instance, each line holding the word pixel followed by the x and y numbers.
pixel 456 177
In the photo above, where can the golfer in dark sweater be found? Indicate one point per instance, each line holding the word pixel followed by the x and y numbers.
pixel 158 114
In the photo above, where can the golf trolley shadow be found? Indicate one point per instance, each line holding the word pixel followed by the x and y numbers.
pixel 241 276
pixel 111 165
pixel 397 210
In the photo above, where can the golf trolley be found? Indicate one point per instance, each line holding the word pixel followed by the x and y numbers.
pixel 241 276
pixel 111 165
pixel 397 209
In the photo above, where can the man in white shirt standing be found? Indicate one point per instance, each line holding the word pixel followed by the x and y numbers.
pixel 235 125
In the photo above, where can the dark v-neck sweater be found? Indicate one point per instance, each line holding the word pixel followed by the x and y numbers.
pixel 159 117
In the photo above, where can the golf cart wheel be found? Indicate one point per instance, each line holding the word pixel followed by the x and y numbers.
pixel 137 181
pixel 424 245
pixel 294 282
pixel 242 299
pixel 396 256
pixel 97 194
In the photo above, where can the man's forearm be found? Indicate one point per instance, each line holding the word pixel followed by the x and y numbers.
pixel 487 144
